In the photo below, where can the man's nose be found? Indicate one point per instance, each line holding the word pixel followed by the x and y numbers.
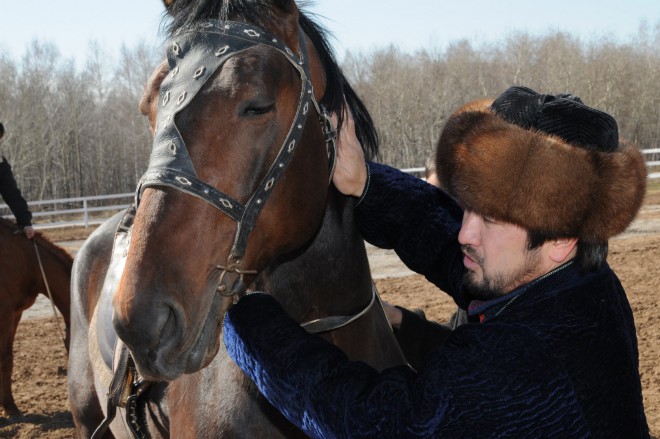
pixel 469 233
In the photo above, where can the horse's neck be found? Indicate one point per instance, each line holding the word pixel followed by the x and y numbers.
pixel 331 277
pixel 333 266
pixel 57 278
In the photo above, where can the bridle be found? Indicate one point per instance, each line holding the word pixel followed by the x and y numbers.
pixel 194 55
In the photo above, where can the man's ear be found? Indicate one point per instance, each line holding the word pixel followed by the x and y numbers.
pixel 562 249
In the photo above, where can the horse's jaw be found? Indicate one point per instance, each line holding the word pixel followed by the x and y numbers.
pixel 179 346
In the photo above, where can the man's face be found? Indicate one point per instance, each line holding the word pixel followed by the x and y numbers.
pixel 496 257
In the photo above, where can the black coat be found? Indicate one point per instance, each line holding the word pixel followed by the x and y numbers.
pixel 559 361
pixel 12 195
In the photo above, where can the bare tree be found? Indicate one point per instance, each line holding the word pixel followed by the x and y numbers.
pixel 74 132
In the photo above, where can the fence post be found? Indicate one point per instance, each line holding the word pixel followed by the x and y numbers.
pixel 85 213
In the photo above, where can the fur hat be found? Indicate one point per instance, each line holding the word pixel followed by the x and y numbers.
pixel 547 163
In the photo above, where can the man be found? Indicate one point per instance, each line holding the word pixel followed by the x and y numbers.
pixel 541 183
pixel 12 195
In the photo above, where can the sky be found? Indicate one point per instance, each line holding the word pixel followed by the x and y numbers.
pixel 357 25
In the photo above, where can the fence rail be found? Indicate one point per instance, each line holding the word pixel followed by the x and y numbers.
pixel 88 211
pixel 77 211
pixel 652 162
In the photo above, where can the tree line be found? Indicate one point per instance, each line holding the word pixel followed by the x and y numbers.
pixel 75 132
pixel 410 96
pixel 78 132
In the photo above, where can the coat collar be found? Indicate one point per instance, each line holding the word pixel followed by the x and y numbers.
pixel 484 310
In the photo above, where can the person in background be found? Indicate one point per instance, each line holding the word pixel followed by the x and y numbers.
pixel 12 195
pixel 536 185
pixel 430 172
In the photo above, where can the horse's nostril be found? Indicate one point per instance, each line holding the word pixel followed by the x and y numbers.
pixel 170 329
pixel 147 335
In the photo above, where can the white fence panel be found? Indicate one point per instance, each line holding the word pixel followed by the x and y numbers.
pixel 652 161
pixel 87 211
pixel 78 211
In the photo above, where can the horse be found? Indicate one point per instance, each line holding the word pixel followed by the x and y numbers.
pixel 22 281
pixel 237 196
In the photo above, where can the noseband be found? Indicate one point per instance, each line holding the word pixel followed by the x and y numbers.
pixel 194 55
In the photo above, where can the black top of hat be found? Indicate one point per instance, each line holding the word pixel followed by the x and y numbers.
pixel 562 115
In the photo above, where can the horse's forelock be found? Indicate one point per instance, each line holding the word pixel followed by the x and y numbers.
pixel 184 13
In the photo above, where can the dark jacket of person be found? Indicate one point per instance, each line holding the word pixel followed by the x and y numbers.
pixel 12 195
pixel 556 358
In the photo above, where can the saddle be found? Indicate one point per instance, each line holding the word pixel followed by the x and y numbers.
pixel 126 385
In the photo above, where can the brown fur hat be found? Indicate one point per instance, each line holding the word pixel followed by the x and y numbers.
pixel 547 163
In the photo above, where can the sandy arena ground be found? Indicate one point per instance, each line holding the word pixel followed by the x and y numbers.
pixel 40 357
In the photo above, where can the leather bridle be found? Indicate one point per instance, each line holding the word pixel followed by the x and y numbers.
pixel 194 55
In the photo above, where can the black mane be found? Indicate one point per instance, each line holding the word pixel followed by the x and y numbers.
pixel 184 13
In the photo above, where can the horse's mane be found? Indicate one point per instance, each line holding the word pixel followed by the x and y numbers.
pixel 58 252
pixel 184 13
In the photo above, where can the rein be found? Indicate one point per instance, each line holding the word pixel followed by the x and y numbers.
pixel 50 296
pixel 194 55
pixel 331 323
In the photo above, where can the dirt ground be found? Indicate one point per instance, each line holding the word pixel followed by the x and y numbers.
pixel 40 357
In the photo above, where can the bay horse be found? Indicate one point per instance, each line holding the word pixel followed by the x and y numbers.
pixel 237 195
pixel 21 280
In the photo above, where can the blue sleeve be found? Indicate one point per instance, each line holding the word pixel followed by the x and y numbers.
pixel 419 221
pixel 468 389
pixel 310 380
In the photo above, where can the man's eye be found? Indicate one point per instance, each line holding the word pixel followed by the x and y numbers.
pixel 489 220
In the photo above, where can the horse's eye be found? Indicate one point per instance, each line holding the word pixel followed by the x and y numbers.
pixel 258 109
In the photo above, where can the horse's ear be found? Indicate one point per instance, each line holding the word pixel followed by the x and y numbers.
pixel 288 6
pixel 288 21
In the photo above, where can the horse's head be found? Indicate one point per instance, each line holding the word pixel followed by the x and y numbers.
pixel 238 175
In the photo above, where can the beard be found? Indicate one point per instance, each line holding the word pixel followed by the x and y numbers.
pixel 494 285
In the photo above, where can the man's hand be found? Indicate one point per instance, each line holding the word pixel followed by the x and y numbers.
pixel 29 232
pixel 350 175
pixel 393 314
